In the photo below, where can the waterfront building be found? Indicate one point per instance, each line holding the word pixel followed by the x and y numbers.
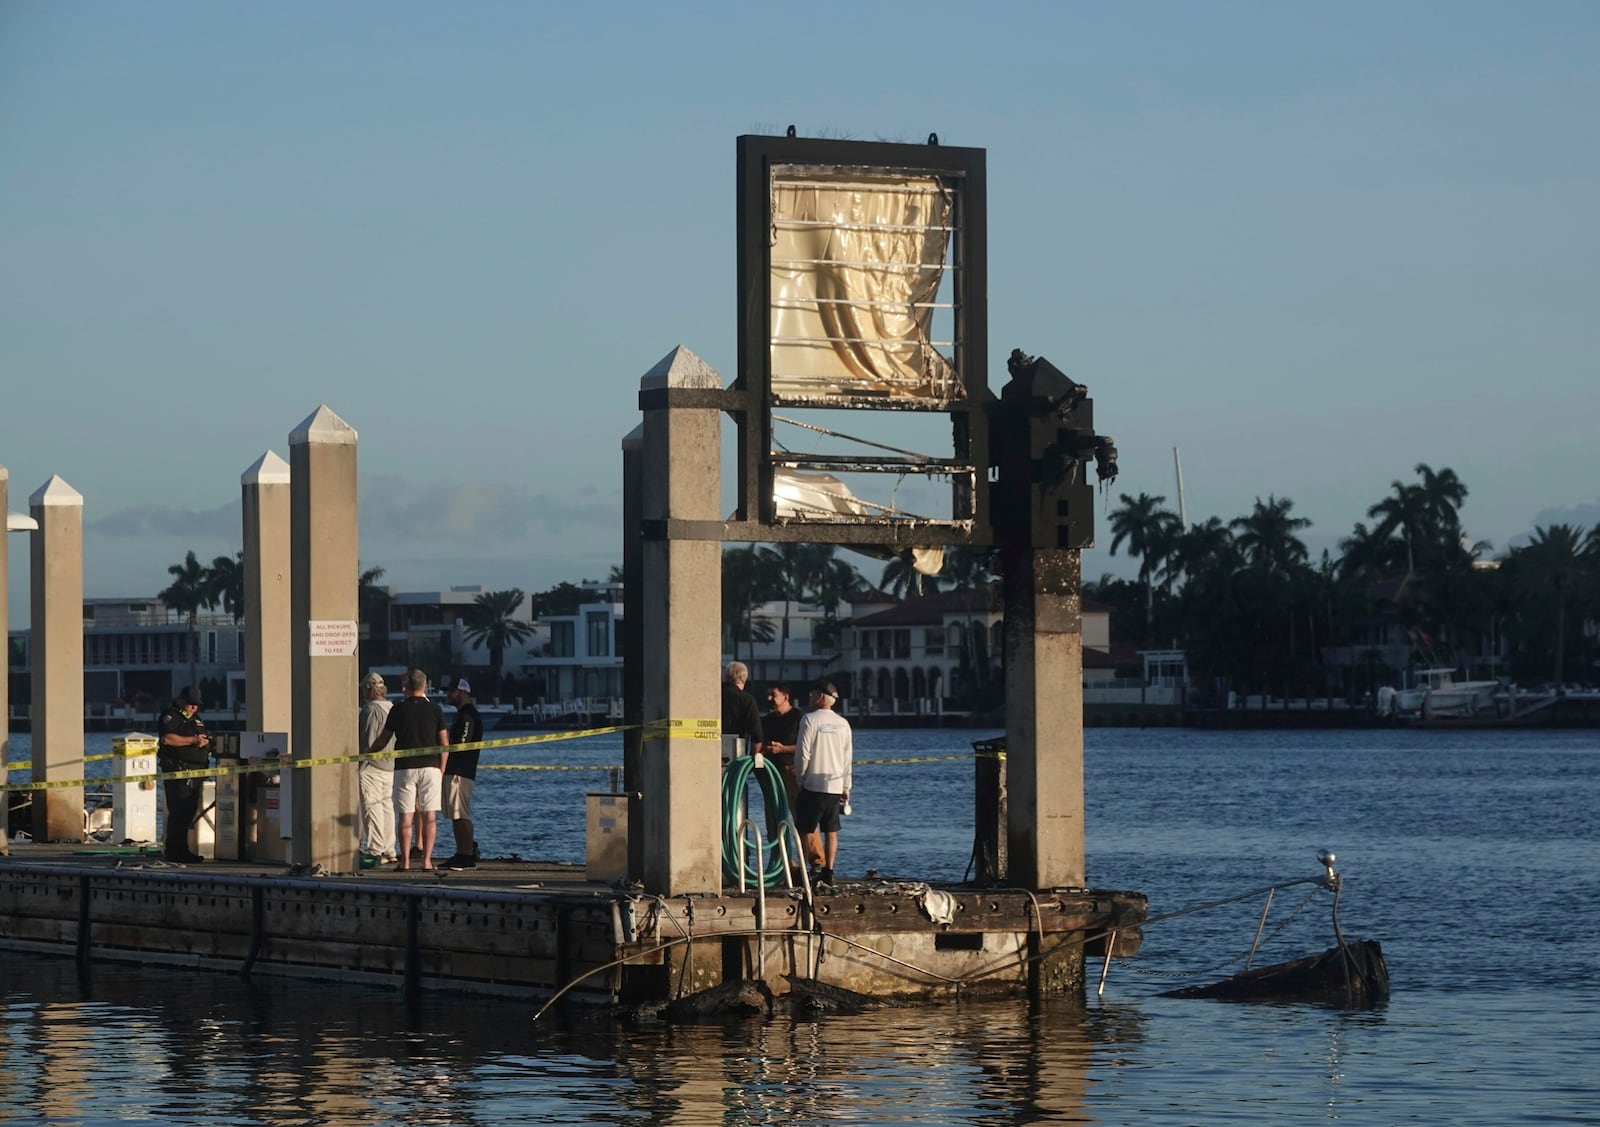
pixel 574 667
pixel 137 654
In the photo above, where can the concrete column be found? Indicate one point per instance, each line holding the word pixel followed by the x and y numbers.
pixel 264 490
pixel 323 598
pixel 1044 717
pixel 57 642
pixel 681 643
pixel 632 648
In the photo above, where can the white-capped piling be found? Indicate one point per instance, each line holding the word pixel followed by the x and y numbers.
pixel 681 643
pixel 56 600
pixel 264 496
pixel 323 596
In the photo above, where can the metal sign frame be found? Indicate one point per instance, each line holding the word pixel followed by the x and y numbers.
pixel 751 400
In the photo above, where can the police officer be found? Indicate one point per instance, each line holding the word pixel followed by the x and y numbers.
pixel 183 744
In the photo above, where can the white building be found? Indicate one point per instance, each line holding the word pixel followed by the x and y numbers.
pixel 577 665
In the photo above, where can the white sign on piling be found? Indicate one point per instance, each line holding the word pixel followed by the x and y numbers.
pixel 334 637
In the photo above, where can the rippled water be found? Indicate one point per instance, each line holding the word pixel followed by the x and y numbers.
pixel 1470 856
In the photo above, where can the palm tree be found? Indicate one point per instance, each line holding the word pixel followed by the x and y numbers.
pixel 839 581
pixel 1425 517
pixel 1404 513
pixel 190 590
pixel 971 569
pixel 373 600
pixel 492 623
pixel 797 570
pixel 1556 562
pixel 902 580
pixel 1267 537
pixel 226 579
pixel 1442 494
pixel 747 582
pixel 1150 533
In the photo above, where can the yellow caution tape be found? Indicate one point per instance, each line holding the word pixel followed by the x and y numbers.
pixel 916 759
pixel 548 767
pixel 683 730
pixel 25 764
pixel 662 729
pixel 695 727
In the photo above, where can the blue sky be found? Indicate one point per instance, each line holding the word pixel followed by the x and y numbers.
pixel 1312 245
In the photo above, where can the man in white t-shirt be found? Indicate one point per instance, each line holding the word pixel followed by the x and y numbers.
pixel 824 751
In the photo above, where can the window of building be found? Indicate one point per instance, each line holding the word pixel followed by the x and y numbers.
pixel 563 639
pixel 933 640
pixel 902 643
pixel 599 630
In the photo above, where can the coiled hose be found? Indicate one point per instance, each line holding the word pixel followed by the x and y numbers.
pixel 768 870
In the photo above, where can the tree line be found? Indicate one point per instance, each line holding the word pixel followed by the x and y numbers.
pixel 1244 600
pixel 1255 613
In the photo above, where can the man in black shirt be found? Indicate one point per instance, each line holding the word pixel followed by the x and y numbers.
pixel 461 775
pixel 416 722
pixel 740 716
pixel 782 727
pixel 182 746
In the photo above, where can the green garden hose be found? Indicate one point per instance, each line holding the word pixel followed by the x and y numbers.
pixel 768 869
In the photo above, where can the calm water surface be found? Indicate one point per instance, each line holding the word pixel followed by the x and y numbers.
pixel 1470 856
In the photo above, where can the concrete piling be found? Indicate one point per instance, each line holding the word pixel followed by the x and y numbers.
pixel 1044 717
pixel 56 600
pixel 323 597
pixel 264 493
pixel 681 644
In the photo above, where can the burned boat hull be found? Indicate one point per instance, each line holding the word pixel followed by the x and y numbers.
pixel 1353 974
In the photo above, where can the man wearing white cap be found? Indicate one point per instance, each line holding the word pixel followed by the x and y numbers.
pixel 461 774
pixel 823 758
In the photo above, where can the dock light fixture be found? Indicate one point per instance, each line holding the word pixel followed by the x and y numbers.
pixel 21 522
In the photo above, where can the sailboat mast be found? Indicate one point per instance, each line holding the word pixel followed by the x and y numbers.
pixel 1183 501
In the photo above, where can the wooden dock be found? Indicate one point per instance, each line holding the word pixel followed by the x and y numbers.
pixel 532 929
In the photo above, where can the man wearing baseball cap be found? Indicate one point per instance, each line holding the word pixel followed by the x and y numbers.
pixel 376 777
pixel 824 750
pixel 181 746
pixel 461 774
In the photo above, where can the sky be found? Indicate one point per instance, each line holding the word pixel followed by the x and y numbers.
pixel 1310 245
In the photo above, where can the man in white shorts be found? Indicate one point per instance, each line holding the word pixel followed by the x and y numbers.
pixel 417 723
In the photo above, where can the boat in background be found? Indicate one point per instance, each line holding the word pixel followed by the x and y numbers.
pixel 1436 692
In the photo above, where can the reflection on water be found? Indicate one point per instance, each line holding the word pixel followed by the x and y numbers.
pixel 1466 854
pixel 171 1047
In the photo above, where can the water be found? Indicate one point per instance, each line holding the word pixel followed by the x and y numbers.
pixel 1468 855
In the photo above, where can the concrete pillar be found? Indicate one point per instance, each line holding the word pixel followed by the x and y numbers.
pixel 632 648
pixel 1044 717
pixel 323 597
pixel 681 642
pixel 264 490
pixel 56 621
